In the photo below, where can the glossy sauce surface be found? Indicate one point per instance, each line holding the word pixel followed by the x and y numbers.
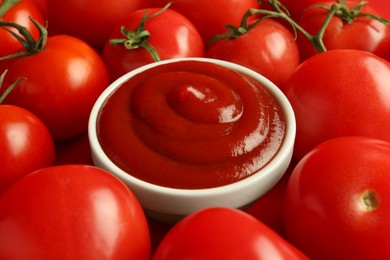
pixel 191 125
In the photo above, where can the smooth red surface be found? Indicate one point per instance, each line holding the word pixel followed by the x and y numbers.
pixel 25 144
pixel 210 18
pixel 172 35
pixel 223 233
pixel 72 212
pixel 269 48
pixel 191 124
pixel 338 93
pixel 20 14
pixel 338 200
pixel 363 33
pixel 62 83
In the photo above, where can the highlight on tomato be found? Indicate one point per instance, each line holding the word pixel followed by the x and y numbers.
pixel 223 233
pixel 64 77
pixel 344 25
pixel 89 20
pixel 72 212
pixel 149 35
pixel 18 12
pixel 208 17
pixel 261 44
pixel 25 142
pixel 337 93
pixel 337 202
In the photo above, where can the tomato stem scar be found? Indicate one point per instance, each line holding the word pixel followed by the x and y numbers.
pixel 369 200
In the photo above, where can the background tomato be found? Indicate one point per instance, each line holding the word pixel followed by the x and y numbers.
pixel 269 208
pixel 25 144
pixel 338 200
pixel 19 14
pixel 90 20
pixel 268 48
pixel 363 33
pixel 210 18
pixel 72 212
pixel 338 93
pixel 171 35
pixel 223 233
pixel 62 83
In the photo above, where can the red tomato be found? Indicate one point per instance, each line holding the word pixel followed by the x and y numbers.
pixel 210 18
pixel 269 49
pixel 362 33
pixel 72 212
pixel 62 83
pixel 90 20
pixel 338 93
pixel 223 233
pixel 171 35
pixel 338 200
pixel 383 7
pixel 25 144
pixel 19 14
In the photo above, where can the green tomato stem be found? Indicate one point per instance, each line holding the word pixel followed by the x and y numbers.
pixel 10 88
pixel 139 37
pixel 6 5
pixel 25 38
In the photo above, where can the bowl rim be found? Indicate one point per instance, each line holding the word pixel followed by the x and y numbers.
pixel 284 152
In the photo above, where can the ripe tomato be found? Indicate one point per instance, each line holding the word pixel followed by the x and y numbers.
pixel 338 93
pixel 338 200
pixel 223 233
pixel 362 33
pixel 210 18
pixel 62 83
pixel 19 14
pixel 25 144
pixel 90 20
pixel 268 48
pixel 72 212
pixel 171 35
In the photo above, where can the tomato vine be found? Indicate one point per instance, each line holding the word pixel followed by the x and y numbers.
pixel 339 9
pixel 139 37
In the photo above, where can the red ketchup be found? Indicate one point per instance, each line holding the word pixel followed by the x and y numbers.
pixel 191 125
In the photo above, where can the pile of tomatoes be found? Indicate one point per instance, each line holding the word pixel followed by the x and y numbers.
pixel 330 58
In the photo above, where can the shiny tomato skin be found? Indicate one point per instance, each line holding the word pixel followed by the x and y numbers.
pixel 72 212
pixel 223 233
pixel 172 35
pixel 62 83
pixel 25 144
pixel 19 14
pixel 338 93
pixel 363 33
pixel 269 49
pixel 210 17
pixel 338 200
pixel 90 20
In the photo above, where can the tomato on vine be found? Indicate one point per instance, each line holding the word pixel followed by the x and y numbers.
pixel 64 77
pixel 19 12
pixel 149 35
pixel 345 25
pixel 25 142
pixel 263 45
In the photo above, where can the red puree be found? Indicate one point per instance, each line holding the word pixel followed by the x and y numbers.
pixel 191 125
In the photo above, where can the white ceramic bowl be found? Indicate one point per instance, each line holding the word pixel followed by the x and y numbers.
pixel 170 204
